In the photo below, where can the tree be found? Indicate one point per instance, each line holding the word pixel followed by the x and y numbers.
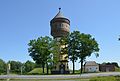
pixel 64 42
pixel 2 66
pixel 59 47
pixel 80 46
pixel 112 63
pixel 115 64
pixel 87 46
pixel 72 46
pixel 29 66
pixel 39 50
pixel 15 66
pixel 55 50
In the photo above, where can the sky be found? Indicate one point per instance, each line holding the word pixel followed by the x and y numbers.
pixel 24 20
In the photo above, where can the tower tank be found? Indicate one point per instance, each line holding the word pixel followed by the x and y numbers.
pixel 60 25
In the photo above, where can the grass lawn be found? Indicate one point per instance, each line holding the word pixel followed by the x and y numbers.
pixel 117 69
pixel 46 80
pixel 110 78
pixel 38 71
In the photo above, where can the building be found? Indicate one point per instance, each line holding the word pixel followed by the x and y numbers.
pixel 107 67
pixel 91 66
pixel 60 26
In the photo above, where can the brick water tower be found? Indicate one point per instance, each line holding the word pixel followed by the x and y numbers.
pixel 60 26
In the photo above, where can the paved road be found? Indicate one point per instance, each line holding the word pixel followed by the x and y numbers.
pixel 59 76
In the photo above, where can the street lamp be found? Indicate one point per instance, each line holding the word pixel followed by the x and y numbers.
pixel 8 68
pixel 22 68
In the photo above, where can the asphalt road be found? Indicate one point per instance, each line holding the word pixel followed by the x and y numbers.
pixel 87 75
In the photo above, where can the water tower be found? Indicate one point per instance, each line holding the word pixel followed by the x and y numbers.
pixel 60 26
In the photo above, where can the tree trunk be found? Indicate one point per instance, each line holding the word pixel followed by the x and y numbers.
pixel 81 66
pixel 47 68
pixel 73 67
pixel 43 68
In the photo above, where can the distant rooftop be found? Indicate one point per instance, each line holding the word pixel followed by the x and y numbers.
pixel 89 63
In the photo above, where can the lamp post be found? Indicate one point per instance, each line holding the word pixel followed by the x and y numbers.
pixel 8 68
pixel 22 69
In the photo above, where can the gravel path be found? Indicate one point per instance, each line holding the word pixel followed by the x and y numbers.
pixel 88 75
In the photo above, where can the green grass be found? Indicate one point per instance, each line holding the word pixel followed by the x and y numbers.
pixel 111 78
pixel 37 71
pixel 117 69
pixel 103 79
pixel 47 80
pixel 75 72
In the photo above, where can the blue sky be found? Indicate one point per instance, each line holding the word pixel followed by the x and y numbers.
pixel 23 20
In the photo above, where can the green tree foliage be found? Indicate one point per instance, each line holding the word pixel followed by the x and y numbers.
pixel 87 46
pixel 112 63
pixel 64 41
pixel 15 66
pixel 80 46
pixel 59 46
pixel 2 66
pixel 28 66
pixel 115 64
pixel 55 51
pixel 40 50
pixel 73 47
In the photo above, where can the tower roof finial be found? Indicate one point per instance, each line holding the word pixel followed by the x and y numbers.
pixel 59 14
pixel 59 9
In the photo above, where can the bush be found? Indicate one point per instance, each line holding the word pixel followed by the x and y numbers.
pixel 103 79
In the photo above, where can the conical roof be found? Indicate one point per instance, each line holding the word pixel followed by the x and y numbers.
pixel 60 18
pixel 59 14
